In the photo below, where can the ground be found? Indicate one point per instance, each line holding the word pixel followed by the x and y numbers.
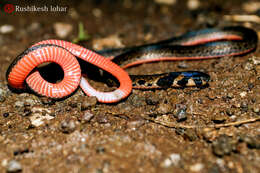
pixel 215 129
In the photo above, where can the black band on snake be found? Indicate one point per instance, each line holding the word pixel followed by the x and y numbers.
pixel 195 45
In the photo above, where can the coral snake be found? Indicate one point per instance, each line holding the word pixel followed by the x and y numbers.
pixel 195 45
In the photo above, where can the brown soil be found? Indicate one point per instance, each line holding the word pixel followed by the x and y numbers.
pixel 215 129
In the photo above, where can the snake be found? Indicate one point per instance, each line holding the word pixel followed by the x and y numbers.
pixel 22 74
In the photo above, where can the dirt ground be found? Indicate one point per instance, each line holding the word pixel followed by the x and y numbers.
pixel 213 130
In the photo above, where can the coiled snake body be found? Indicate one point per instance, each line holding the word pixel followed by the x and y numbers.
pixel 202 44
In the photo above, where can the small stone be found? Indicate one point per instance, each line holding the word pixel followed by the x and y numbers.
pixel 86 116
pixel 38 115
pixel 97 12
pixel 183 65
pixel 249 66
pixel 256 108
pixel 73 13
pixel 244 106
pixel 67 126
pixel 230 111
pixel 152 100
pixel 62 30
pixel 219 117
pixel 243 94
pixel 6 114
pixel 134 125
pixel 164 108
pixel 102 119
pixel 110 41
pixel 256 60
pixel 6 29
pixel 211 95
pixel 37 119
pixel 14 166
pixel 230 95
pixel 47 100
pixel 209 134
pixel 193 4
pixel 30 102
pixel 19 104
pixel 88 102
pixel 180 114
pixel 197 167
pixel 2 99
pixel 100 150
pixel 190 134
pixel 136 100
pixel 173 159
pixel 252 142
pixel 223 145
pixel 3 93
pixel 250 86
pixel 35 26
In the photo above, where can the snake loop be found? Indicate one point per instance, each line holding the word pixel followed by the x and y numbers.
pixel 196 45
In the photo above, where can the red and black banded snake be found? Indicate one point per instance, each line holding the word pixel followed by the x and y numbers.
pixel 202 44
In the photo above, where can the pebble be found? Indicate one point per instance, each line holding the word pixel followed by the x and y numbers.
pixel 180 112
pixel 62 30
pixel 110 41
pixel 97 12
pixel 2 98
pixel 73 13
pixel 230 95
pixel 100 150
pixel 252 142
pixel 86 116
pixel 136 100
pixel 47 100
pixel 244 106
pixel 193 4
pixel 6 29
pixel 256 60
pixel 219 117
pixel 256 108
pixel 250 86
pixel 134 125
pixel 173 159
pixel 249 66
pixel 88 102
pixel 197 167
pixel 3 94
pixel 39 115
pixel 19 104
pixel 183 65
pixel 243 94
pixel 152 100
pixel 223 145
pixel 14 166
pixel 68 126
pixel 33 27
pixel 102 119
pixel 164 108
pixel 6 114
pixel 190 134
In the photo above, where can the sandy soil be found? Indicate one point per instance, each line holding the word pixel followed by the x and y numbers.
pixel 215 129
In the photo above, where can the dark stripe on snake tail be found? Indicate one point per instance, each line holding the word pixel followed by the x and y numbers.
pixel 172 79
pixel 202 44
